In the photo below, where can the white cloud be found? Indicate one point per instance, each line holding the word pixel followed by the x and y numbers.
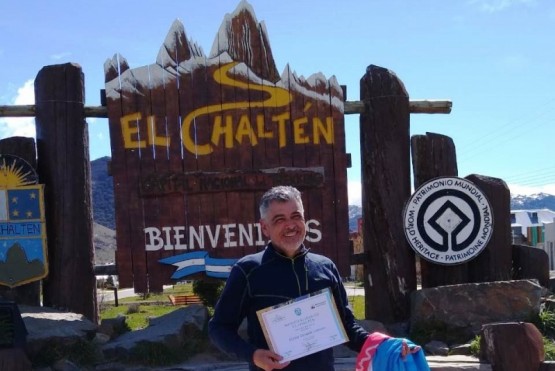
pixel 20 126
pixel 492 6
pixel 59 56
pixel 355 193
pixel 26 93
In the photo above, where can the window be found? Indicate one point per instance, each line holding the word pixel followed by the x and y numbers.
pixel 513 218
pixel 533 217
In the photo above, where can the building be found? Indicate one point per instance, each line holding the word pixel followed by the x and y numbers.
pixel 535 228
pixel 548 245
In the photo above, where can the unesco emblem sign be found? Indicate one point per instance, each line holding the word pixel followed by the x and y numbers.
pixel 448 221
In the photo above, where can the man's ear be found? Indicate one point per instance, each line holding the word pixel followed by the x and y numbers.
pixel 264 228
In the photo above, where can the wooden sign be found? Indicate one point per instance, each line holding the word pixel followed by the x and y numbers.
pixel 196 140
pixel 23 249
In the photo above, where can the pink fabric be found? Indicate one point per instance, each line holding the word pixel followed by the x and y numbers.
pixel 364 358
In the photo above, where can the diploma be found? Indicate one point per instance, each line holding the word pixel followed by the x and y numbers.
pixel 303 326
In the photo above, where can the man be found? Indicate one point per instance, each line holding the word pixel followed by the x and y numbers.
pixel 283 271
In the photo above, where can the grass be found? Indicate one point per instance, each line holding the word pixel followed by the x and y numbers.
pixel 139 309
pixel 545 322
pixel 139 319
pixel 357 305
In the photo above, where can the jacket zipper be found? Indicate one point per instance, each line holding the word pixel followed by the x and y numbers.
pixel 305 277
pixel 296 276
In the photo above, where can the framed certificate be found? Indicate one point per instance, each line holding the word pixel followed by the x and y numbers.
pixel 303 326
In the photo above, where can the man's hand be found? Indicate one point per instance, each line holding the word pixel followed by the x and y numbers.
pixel 406 350
pixel 268 360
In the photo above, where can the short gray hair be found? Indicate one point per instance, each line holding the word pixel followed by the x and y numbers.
pixel 279 194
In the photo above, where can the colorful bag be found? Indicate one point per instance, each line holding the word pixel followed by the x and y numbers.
pixel 381 352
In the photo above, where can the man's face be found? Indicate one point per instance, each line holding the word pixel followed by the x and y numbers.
pixel 284 225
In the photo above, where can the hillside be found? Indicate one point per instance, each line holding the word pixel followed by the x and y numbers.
pixel 104 233
pixel 104 244
pixel 102 193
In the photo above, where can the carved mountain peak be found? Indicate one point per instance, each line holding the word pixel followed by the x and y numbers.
pixel 246 40
pixel 241 38
pixel 114 67
pixel 177 48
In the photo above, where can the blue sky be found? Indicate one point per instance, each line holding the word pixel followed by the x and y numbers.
pixel 494 59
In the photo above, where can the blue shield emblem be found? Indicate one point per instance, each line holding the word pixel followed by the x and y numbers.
pixel 23 251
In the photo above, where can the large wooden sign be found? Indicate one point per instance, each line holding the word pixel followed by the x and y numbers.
pixel 196 141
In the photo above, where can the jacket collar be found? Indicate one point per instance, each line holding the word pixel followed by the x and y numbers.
pixel 272 250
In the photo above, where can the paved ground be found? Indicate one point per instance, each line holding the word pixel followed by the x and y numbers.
pixel 451 363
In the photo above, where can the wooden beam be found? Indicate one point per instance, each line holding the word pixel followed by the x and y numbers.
pixel 359 259
pixel 351 107
pixel 29 111
pixel 430 106
pixel 415 106
pixel 105 270
pixel 17 111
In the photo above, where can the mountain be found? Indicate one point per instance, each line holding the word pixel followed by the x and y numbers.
pixel 518 202
pixel 104 234
pixel 535 201
pixel 104 244
pixel 17 268
pixel 102 193
pixel 246 40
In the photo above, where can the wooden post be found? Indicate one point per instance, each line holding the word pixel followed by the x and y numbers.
pixel 390 273
pixel 495 262
pixel 116 300
pixel 64 168
pixel 433 155
pixel 24 148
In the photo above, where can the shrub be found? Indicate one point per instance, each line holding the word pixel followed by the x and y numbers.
pixel 110 283
pixel 549 347
pixel 133 308
pixel 81 352
pixel 545 322
pixel 153 354
pixel 475 346
pixel 208 291
pixel 423 333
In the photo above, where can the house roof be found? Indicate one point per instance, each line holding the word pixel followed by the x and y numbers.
pixel 525 218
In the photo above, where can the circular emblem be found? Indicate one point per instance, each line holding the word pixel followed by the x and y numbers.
pixel 448 220
pixel 16 172
pixel 298 311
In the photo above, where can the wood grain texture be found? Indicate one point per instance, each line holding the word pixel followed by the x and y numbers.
pixel 233 128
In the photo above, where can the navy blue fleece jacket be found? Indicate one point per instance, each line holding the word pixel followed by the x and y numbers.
pixel 268 278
